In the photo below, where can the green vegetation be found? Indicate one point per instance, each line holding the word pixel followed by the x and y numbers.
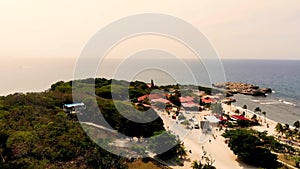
pixel 253 147
pixel 206 162
pixel 162 140
pixel 265 115
pixel 286 134
pixel 146 163
pixel 138 89
pixel 217 108
pixel 244 123
pixel 198 165
pixel 124 125
pixel 36 133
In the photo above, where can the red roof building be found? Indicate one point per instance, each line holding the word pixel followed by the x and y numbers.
pixel 220 117
pixel 186 99
pixel 190 104
pixel 208 100
pixel 239 117
pixel 151 96
pixel 160 100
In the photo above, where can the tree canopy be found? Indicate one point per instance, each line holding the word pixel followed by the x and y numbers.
pixel 250 147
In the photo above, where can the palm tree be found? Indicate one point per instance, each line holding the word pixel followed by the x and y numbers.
pixel 245 107
pixel 254 118
pixel 289 134
pixel 181 151
pixel 257 109
pixel 279 128
pixel 297 125
pixel 286 127
pixel 265 114
pixel 296 130
pixel 237 111
pixel 287 131
pixel 294 133
pixel 196 165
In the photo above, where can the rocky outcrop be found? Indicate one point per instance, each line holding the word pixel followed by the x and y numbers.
pixel 243 88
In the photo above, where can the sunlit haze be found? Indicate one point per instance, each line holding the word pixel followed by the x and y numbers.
pixel 41 40
pixel 238 29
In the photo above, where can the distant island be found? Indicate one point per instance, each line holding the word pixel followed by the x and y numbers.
pixel 243 88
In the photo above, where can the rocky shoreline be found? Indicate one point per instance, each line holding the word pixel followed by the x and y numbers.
pixel 243 88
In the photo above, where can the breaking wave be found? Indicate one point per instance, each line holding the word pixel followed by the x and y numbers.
pixel 270 103
pixel 287 103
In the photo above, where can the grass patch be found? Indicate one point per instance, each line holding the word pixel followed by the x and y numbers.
pixel 282 158
pixel 146 164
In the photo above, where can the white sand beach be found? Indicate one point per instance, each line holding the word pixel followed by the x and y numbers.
pixel 217 148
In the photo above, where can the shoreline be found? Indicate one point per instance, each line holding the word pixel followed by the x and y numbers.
pixel 216 146
pixel 276 110
pixel 248 114
pixel 213 145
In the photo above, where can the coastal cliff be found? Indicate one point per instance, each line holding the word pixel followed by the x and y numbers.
pixel 243 88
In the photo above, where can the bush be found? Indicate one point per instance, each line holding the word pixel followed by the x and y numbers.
pixel 181 117
pixel 243 123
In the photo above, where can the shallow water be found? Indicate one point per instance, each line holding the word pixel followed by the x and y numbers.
pixel 276 110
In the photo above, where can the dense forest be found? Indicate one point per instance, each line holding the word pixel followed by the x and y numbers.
pixel 35 132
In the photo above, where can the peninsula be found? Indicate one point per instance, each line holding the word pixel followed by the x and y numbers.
pixel 243 88
pixel 49 130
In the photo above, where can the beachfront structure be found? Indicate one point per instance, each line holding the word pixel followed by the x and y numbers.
pixel 208 100
pixel 169 94
pixel 221 118
pixel 213 121
pixel 186 99
pixel 238 117
pixel 228 100
pixel 192 106
pixel 73 108
pixel 161 100
pixel 150 96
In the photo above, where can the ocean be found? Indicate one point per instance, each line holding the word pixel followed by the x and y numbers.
pixel 282 76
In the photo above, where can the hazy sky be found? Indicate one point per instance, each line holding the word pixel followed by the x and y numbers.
pixel 237 28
